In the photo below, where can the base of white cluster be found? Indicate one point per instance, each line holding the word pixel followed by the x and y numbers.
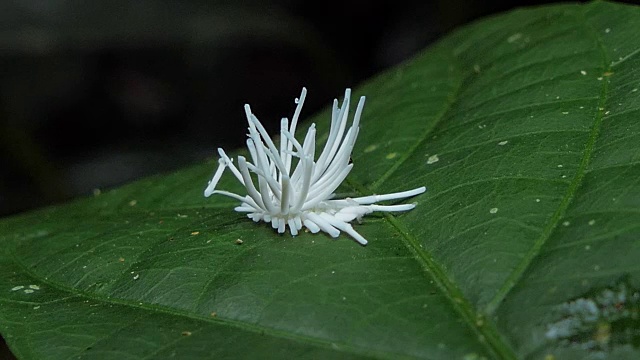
pixel 329 216
pixel 314 222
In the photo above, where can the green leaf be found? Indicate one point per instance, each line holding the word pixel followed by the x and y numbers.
pixel 526 130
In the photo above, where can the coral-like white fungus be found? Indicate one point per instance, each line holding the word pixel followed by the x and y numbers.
pixel 304 196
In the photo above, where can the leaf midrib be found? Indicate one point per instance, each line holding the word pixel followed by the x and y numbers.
pixel 477 323
pixel 487 331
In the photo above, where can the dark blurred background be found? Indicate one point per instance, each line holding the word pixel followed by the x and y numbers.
pixel 94 94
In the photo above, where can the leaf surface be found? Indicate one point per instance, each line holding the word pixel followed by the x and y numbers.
pixel 524 127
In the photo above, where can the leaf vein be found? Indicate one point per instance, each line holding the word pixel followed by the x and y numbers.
pixel 569 196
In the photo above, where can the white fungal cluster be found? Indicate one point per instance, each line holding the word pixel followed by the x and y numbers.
pixel 303 196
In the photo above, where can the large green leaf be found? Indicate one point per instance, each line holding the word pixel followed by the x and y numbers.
pixel 526 130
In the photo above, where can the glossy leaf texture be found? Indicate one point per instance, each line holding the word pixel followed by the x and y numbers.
pixel 525 128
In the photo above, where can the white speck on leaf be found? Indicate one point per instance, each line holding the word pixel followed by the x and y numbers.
pixel 370 148
pixel 391 155
pixel 537 200
pixel 493 210
pixel 16 288
pixel 503 142
pixel 513 38
pixel 592 221
pixel 28 291
pixel 433 159
pixel 583 72
pixel 136 277
pixel 34 287
pixel 566 223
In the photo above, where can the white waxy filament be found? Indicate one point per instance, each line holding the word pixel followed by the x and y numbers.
pixel 303 197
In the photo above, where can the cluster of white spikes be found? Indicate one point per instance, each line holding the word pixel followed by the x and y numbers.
pixel 304 196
